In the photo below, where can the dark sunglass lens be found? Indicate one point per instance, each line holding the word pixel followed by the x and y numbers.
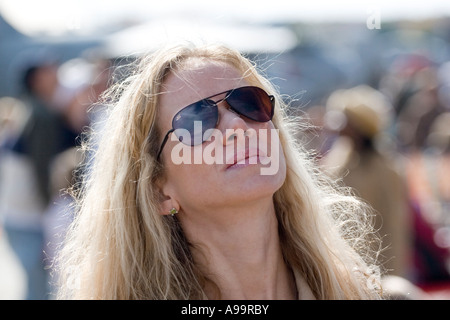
pixel 252 102
pixel 195 119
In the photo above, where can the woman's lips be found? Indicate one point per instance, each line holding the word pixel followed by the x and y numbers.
pixel 251 156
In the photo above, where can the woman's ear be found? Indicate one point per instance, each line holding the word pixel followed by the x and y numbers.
pixel 168 203
pixel 169 206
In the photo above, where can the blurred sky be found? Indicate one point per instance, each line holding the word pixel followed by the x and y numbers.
pixel 54 17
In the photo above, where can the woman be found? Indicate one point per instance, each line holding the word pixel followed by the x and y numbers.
pixel 150 226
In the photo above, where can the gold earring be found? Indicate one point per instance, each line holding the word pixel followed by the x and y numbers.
pixel 173 211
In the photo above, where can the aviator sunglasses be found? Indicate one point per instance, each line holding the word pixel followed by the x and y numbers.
pixel 251 102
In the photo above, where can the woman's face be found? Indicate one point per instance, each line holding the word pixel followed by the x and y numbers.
pixel 236 175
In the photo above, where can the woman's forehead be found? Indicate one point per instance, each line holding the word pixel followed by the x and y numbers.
pixel 199 80
pixel 200 75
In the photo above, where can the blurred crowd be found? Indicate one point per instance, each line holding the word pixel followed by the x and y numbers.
pixel 388 141
pixel 391 144
pixel 40 136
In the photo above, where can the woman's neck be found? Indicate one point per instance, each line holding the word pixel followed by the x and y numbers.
pixel 239 251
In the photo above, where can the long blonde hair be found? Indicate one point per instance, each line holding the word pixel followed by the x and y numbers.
pixel 120 247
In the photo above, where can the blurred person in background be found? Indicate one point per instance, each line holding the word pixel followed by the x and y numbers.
pixel 422 131
pixel 25 190
pixel 359 116
pixel 429 188
pixel 25 172
pixel 413 85
pixel 419 111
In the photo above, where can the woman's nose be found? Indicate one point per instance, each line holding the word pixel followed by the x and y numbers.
pixel 231 124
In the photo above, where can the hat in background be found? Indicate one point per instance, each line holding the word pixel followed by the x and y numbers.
pixel 362 107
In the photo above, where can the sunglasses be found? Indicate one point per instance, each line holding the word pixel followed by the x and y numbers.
pixel 251 102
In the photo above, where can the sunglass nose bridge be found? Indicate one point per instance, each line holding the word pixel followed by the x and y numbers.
pixel 224 103
pixel 229 108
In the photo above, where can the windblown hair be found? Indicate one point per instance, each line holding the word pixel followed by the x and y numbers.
pixel 119 245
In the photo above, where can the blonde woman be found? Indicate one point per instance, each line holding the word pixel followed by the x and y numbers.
pixel 176 205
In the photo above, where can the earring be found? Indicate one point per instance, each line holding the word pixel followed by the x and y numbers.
pixel 173 211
